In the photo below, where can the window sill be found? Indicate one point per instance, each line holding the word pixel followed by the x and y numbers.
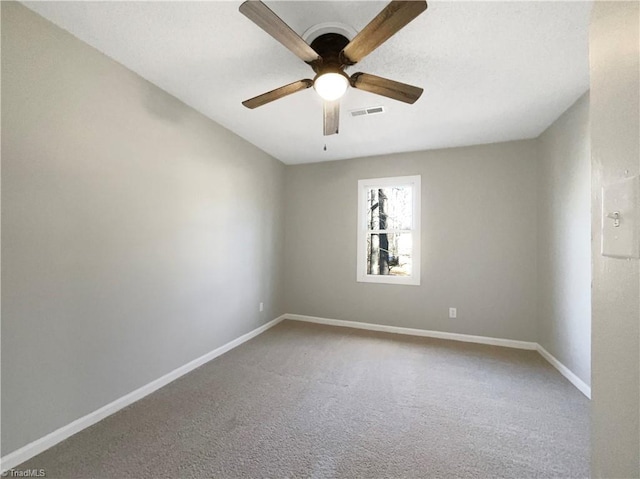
pixel 401 280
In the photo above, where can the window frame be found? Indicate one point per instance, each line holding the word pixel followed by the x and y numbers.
pixel 363 231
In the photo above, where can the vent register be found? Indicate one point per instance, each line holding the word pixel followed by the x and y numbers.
pixel 374 110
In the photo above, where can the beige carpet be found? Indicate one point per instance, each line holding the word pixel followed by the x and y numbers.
pixel 310 401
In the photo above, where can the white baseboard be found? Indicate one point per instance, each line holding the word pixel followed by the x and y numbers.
pixel 36 447
pixel 566 372
pixel 507 343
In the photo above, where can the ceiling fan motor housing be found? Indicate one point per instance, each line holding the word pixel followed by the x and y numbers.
pixel 329 46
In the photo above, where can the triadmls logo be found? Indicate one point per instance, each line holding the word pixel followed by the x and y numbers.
pixel 24 473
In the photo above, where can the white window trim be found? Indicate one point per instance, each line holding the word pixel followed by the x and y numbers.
pixel 363 187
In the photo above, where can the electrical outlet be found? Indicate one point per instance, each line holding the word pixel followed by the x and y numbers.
pixel 261 307
pixel 453 313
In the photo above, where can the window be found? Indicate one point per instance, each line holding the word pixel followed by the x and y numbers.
pixel 389 230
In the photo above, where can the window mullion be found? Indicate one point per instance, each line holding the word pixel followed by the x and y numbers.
pixel 388 231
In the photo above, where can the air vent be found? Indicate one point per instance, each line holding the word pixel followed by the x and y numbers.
pixel 373 110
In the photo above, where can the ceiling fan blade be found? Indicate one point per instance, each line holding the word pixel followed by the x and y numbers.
pixel 388 22
pixel 263 16
pixel 389 88
pixel 331 111
pixel 277 93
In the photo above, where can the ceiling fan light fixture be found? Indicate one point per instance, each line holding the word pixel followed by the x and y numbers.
pixel 331 86
pixel 331 50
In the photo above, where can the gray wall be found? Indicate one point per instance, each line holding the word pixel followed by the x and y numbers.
pixel 478 241
pixel 137 235
pixel 615 146
pixel 564 240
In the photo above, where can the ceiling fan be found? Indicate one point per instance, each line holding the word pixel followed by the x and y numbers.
pixel 331 53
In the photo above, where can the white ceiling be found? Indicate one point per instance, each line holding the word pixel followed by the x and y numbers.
pixel 491 71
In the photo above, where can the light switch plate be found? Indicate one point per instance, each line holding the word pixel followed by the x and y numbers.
pixel 620 219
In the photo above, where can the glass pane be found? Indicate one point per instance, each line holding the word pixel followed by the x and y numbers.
pixel 389 254
pixel 389 208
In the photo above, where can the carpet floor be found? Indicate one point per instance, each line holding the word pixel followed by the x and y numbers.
pixel 312 401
